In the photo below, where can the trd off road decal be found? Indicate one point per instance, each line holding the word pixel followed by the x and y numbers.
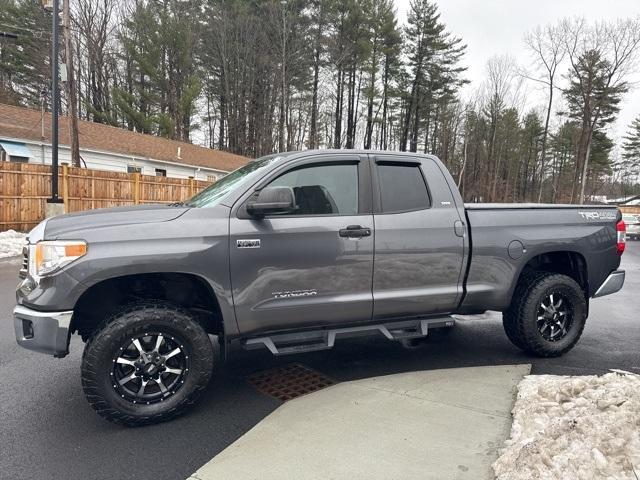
pixel 605 215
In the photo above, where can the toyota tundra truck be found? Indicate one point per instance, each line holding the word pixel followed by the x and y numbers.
pixel 293 252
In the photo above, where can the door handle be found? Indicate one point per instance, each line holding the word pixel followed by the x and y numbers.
pixel 355 231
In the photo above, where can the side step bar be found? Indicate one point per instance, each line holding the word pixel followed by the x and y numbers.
pixel 311 341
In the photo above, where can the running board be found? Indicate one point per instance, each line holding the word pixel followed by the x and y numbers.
pixel 300 342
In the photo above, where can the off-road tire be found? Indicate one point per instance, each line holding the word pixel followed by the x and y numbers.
pixel 520 319
pixel 136 319
pixel 509 322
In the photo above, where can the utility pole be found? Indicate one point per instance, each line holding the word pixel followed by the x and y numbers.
pixel 54 204
pixel 72 96
pixel 281 125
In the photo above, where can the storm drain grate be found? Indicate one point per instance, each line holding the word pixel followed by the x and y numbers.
pixel 289 381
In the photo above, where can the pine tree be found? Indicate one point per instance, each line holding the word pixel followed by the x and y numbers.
pixel 531 135
pixel 601 57
pixel 562 149
pixel 392 63
pixel 381 21
pixel 25 62
pixel 433 56
pixel 631 150
pixel 159 42
pixel 593 100
pixel 319 38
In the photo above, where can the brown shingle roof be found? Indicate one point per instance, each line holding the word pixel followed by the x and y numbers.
pixel 24 123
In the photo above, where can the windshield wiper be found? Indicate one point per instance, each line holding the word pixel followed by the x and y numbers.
pixel 176 204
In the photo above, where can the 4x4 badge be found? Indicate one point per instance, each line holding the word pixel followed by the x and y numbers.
pixel 249 243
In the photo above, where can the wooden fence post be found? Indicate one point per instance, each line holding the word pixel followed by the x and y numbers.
pixel 136 191
pixel 93 190
pixel 190 187
pixel 65 187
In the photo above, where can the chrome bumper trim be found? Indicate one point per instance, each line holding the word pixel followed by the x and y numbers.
pixel 612 284
pixel 44 332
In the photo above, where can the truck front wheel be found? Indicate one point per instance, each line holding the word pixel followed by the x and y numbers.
pixel 547 314
pixel 147 364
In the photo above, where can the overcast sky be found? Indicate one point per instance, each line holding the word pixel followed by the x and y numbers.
pixel 491 27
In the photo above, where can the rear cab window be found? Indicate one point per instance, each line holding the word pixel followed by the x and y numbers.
pixel 402 187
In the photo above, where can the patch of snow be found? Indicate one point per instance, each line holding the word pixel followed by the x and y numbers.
pixel 581 427
pixel 11 243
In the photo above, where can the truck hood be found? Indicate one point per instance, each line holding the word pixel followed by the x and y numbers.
pixel 109 217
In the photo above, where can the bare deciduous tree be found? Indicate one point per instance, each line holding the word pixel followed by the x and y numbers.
pixel 602 57
pixel 547 45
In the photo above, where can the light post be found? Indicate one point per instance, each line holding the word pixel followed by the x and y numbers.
pixel 53 207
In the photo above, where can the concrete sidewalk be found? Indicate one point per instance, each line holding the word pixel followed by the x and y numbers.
pixel 438 424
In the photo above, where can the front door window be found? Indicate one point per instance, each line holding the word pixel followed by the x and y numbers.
pixel 323 189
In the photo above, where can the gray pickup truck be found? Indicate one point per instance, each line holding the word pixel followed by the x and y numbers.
pixel 292 252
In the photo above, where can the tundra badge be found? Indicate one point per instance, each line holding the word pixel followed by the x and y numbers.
pixel 251 243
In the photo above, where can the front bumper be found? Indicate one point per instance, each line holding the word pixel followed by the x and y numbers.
pixel 44 332
pixel 612 284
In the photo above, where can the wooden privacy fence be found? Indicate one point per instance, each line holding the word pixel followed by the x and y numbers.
pixel 24 189
pixel 634 209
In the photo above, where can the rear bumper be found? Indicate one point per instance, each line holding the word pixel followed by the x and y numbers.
pixel 44 332
pixel 612 284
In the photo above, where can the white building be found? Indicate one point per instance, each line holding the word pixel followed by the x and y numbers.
pixel 25 136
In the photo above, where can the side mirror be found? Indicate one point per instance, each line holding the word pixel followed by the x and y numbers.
pixel 272 200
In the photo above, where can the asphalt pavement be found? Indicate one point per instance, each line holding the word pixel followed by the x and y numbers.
pixel 47 430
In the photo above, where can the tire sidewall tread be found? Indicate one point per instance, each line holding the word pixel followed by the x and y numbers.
pixel 519 320
pixel 130 321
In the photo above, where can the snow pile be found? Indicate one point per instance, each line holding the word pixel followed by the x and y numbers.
pixel 581 428
pixel 11 243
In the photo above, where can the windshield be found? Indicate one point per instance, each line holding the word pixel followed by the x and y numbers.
pixel 214 194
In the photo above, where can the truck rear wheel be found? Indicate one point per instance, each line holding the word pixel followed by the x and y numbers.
pixel 148 363
pixel 547 314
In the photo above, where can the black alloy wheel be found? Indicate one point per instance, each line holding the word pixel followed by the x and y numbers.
pixel 150 368
pixel 555 316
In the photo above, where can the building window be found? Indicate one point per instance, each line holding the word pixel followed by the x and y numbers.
pixel 161 172
pixel 133 169
pixel 212 178
pixel 14 152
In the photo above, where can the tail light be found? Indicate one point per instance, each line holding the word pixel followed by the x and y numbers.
pixel 621 228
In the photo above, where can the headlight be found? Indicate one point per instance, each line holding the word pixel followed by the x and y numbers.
pixel 48 256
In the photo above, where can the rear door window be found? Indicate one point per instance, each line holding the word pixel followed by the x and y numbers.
pixel 402 188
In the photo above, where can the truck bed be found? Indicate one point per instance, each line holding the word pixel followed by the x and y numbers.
pixel 529 206
pixel 506 238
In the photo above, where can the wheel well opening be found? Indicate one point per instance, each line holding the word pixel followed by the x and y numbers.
pixel 185 290
pixel 571 264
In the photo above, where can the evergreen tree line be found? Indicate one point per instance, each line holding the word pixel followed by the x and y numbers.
pixel 266 76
